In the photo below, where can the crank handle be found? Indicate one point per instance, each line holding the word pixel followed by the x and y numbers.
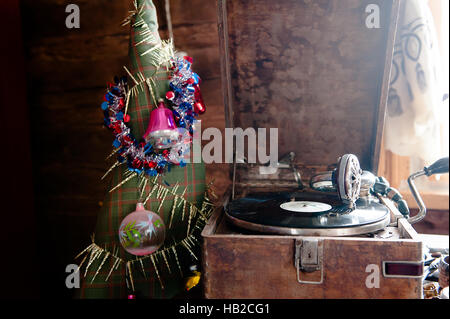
pixel 438 167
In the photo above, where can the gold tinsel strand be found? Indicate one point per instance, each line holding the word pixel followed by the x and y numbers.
pixel 100 267
pixel 130 274
pixel 178 262
pixel 142 268
pixel 172 211
pixel 123 182
pixel 190 219
pixel 164 195
pixel 165 260
pixel 116 164
pixel 93 251
pixel 152 258
pixel 186 245
pixel 155 187
pixel 112 154
pixel 114 267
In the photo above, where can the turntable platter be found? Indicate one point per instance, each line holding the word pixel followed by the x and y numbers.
pixel 307 214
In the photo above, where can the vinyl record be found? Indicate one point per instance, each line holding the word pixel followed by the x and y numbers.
pixel 306 213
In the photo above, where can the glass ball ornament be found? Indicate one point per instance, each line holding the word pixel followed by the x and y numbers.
pixel 142 232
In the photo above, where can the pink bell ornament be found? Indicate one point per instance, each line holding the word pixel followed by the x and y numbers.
pixel 162 131
pixel 142 232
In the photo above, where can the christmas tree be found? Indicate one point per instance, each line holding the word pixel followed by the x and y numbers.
pixel 156 177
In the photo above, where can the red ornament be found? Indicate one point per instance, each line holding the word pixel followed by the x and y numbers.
pixel 131 297
pixel 189 59
pixel 137 163
pixel 148 165
pixel 199 108
pixel 170 95
pixel 199 105
pixel 126 118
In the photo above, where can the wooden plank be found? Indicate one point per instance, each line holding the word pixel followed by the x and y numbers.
pixel 189 12
pixel 384 85
pixel 74 63
pixel 244 267
pixel 261 76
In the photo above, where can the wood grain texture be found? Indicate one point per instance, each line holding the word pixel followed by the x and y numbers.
pixel 311 69
pixel 256 266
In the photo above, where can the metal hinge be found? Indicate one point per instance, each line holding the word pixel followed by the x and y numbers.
pixel 309 258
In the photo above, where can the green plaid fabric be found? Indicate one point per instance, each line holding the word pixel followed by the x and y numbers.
pixel 122 201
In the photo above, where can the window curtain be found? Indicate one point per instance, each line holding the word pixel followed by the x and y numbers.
pixel 417 109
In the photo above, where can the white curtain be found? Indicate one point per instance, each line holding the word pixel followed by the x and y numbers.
pixel 417 108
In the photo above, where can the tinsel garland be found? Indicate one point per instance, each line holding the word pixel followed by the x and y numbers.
pixel 185 98
pixel 196 216
pixel 146 163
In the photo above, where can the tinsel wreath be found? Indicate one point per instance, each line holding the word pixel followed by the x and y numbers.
pixel 179 196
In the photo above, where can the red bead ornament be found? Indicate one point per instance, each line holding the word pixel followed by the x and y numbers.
pixel 131 297
pixel 126 118
pixel 189 59
pixel 199 105
pixel 148 165
pixel 137 164
pixel 199 108
pixel 170 95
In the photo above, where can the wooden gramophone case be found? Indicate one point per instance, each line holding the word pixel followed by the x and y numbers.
pixel 318 73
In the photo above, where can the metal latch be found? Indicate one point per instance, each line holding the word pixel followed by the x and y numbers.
pixel 309 258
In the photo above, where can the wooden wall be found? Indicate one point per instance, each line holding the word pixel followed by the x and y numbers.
pixel 67 72
pixel 19 259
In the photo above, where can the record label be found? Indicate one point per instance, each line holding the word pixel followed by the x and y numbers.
pixel 305 207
